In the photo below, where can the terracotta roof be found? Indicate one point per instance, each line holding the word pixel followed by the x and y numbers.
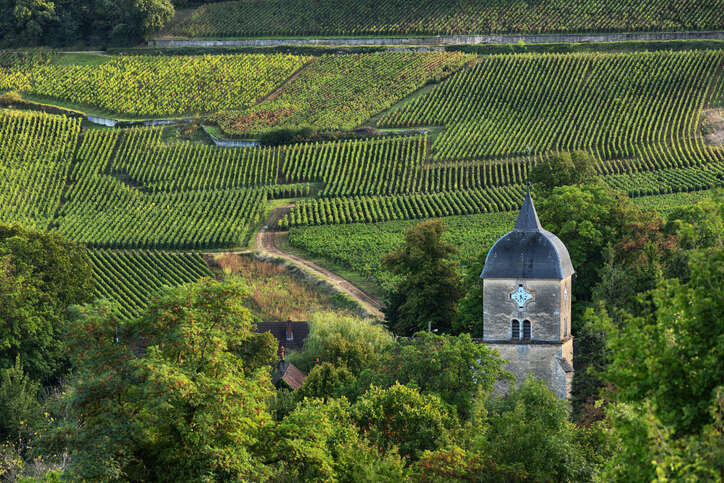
pixel 288 373
pixel 290 334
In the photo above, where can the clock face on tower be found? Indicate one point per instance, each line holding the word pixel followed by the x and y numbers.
pixel 521 296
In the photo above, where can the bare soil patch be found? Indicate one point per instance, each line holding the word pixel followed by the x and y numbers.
pixel 712 126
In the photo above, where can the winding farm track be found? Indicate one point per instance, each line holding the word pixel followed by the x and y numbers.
pixel 266 244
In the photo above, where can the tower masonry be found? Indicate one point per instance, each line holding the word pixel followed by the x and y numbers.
pixel 527 302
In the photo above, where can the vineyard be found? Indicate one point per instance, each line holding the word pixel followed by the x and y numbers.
pixel 157 85
pixel 36 151
pixel 439 17
pixel 639 110
pixel 489 120
pixel 342 91
pixel 131 279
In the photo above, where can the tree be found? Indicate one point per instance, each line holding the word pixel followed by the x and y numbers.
pixel 429 290
pixel 469 317
pixel 678 348
pixel 319 441
pixel 19 406
pixel 528 431
pixel 26 22
pixel 587 219
pixel 326 381
pixel 342 340
pixel 564 169
pixel 454 368
pixel 191 407
pixel 40 276
pixel 401 417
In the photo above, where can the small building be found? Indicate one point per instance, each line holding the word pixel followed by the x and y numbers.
pixel 287 374
pixel 289 335
pixel 527 281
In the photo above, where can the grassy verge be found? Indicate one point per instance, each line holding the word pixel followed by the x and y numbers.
pixel 94 111
pixel 77 58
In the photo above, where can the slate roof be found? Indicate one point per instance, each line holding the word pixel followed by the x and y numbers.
pixel 281 330
pixel 528 251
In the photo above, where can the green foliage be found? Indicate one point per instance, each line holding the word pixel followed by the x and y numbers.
pixel 563 169
pixel 19 406
pixel 41 276
pixel 190 407
pixel 429 289
pixel 470 309
pixel 342 340
pixel 455 368
pixel 677 347
pixel 586 219
pixel 441 17
pixel 318 441
pixel 326 381
pixel 40 22
pixel 528 430
pixel 401 417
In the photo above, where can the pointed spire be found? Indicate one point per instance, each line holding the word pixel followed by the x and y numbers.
pixel 527 218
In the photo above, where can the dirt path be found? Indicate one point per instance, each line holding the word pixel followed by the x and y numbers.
pixel 266 243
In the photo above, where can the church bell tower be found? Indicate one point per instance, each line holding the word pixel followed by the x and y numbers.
pixel 527 302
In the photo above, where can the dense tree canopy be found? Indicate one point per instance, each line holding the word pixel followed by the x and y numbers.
pixel 41 275
pixel 563 169
pixel 190 407
pixel 63 22
pixel 429 290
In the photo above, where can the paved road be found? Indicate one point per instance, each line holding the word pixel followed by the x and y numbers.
pixel 266 243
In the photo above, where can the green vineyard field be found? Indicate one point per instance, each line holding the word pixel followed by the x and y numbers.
pixel 158 85
pixel 342 91
pixel 130 279
pixel 637 109
pixel 36 151
pixel 388 17
pixel 360 246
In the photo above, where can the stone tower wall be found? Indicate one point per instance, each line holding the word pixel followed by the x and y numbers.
pixel 547 310
pixel 551 363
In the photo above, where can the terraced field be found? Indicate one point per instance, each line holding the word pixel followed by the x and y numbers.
pixel 248 18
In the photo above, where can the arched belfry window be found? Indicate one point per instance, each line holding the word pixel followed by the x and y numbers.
pixel 515 330
pixel 526 329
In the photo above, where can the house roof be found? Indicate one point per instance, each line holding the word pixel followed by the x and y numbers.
pixel 289 334
pixel 288 372
pixel 528 251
